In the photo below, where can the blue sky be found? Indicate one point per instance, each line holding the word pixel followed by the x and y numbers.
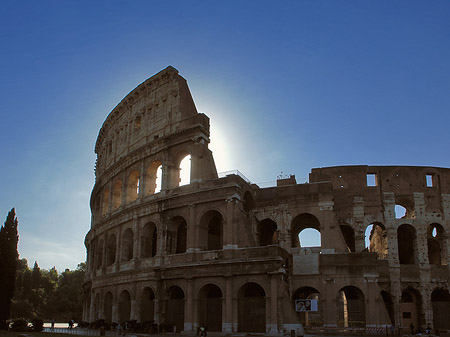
pixel 288 85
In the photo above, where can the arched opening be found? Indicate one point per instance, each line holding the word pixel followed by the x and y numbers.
pixel 351 308
pixel 210 307
pixel 175 308
pixel 251 308
pixel 309 315
pixel 211 229
pixel 124 306
pixel 147 305
pixel 127 245
pixel 153 179
pixel 185 170
pixel 177 236
pixel 117 194
pixel 437 253
pixel 267 232
pixel 133 186
pixel 149 239
pixel 108 304
pixel 376 240
pixel 105 202
pixel 301 222
pixel 111 250
pixel 349 237
pixel 309 237
pixel 400 212
pixel 389 305
pixel 407 246
pixel 410 304
pixel 97 306
pixel 99 255
pixel 440 300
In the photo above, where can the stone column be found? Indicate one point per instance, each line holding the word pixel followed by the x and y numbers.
pixel 191 230
pixel 228 229
pixel 273 325
pixel 227 322
pixel 134 310
pixel 189 312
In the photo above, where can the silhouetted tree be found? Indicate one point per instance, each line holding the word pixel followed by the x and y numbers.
pixel 8 263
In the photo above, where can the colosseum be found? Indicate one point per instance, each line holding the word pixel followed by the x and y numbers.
pixel 225 252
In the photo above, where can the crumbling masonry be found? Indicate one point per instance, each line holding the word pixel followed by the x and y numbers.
pixel 225 252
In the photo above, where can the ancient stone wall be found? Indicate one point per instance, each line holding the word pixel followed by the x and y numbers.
pixel 226 253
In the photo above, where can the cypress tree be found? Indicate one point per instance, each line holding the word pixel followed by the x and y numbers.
pixel 8 263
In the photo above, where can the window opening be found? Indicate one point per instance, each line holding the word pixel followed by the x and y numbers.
pixel 185 170
pixel 400 211
pixel 309 237
pixel 158 180
pixel 429 178
pixel 372 179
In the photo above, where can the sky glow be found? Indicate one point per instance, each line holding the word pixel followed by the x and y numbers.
pixel 288 86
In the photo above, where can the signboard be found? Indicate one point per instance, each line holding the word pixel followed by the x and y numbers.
pixel 306 305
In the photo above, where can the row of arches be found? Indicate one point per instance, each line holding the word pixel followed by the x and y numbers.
pixel 305 232
pixel 124 190
pixel 152 240
pixel 251 307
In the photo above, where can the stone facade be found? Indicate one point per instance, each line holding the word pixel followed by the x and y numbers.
pixel 225 252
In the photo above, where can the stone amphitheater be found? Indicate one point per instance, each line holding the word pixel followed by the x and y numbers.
pixel 227 253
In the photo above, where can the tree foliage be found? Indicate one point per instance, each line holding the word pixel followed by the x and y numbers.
pixel 8 263
pixel 47 294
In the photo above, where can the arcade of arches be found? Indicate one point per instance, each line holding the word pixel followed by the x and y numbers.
pixel 174 242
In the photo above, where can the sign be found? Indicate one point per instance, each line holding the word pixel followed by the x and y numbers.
pixel 306 305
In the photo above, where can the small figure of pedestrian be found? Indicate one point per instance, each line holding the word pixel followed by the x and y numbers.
pixel 203 330
pixel 70 324
pixel 52 328
pixel 411 327
pixel 428 330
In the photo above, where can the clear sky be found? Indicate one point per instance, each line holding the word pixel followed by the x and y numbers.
pixel 288 86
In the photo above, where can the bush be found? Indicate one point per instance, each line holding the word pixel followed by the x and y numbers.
pixel 20 325
pixel 37 324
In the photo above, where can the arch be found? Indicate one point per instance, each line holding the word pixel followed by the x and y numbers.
pixel 410 308
pixel 351 308
pixel 117 194
pixel 299 223
pixel 349 236
pixel 96 312
pixel 176 240
pixel 185 170
pixel 124 306
pixel 175 307
pixel 436 242
pixel 105 202
pixel 309 237
pixel 309 318
pixel 127 245
pixel 99 255
pixel 209 309
pixel 133 186
pixel 111 250
pixel 376 240
pixel 267 232
pixel 211 229
pixel 147 308
pixel 149 240
pixel 108 306
pixel 407 245
pixel 440 300
pixel 251 308
pixel 153 179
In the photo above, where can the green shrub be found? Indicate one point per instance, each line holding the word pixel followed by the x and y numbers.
pixel 20 324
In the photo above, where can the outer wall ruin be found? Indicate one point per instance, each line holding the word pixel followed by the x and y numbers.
pixel 225 252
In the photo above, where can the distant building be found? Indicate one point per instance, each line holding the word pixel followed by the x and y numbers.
pixel 226 253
